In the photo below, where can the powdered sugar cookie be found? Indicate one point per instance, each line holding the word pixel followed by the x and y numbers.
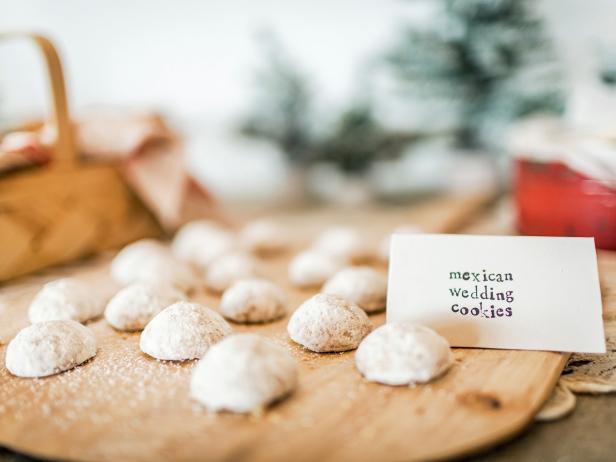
pixel 150 262
pixel 131 259
pixel 201 242
pixel 264 237
pixel 311 269
pixel 66 298
pixel 228 269
pixel 326 323
pixel 253 300
pixel 361 285
pixel 135 305
pixel 242 373
pixel 49 347
pixel 343 243
pixel 403 353
pixel 182 331
pixel 172 272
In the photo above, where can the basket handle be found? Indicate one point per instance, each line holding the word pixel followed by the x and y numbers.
pixel 64 152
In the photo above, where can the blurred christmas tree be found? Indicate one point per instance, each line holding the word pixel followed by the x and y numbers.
pixel 356 140
pixel 489 60
pixel 282 109
pixel 283 114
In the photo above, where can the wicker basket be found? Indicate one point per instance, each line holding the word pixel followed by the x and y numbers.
pixel 70 208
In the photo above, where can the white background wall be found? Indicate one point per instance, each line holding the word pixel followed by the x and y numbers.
pixel 195 61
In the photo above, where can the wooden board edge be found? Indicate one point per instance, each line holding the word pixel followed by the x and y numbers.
pixel 509 433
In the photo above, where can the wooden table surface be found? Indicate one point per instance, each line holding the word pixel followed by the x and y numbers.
pixel 586 435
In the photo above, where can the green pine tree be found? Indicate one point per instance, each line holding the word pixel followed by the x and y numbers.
pixel 283 114
pixel 356 140
pixel 282 111
pixel 490 59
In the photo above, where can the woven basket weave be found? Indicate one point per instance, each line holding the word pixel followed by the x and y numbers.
pixel 70 208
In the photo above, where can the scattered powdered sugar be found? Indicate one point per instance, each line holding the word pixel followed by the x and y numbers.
pixel 85 395
pixel 183 331
pixel 49 347
pixel 66 298
pixel 124 400
pixel 243 372
pixel 362 285
pixel 328 323
pixel 403 353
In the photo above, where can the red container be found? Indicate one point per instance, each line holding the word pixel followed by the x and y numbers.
pixel 553 200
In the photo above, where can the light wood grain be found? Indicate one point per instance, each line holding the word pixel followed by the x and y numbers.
pixel 123 405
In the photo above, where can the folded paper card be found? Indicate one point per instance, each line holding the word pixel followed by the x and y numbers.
pixel 531 293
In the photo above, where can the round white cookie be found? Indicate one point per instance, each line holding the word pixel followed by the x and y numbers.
pixel 135 305
pixel 327 323
pixel 343 243
pixel 311 269
pixel 386 241
pixel 201 242
pixel 132 258
pixel 49 347
pixel 182 331
pixel 253 300
pixel 151 262
pixel 172 272
pixel 362 285
pixel 66 298
pixel 403 354
pixel 242 373
pixel 264 237
pixel 228 269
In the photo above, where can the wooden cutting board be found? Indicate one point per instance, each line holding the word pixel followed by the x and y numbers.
pixel 123 405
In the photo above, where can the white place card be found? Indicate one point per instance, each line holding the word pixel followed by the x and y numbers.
pixel 513 292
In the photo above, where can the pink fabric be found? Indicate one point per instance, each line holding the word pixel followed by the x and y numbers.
pixel 150 156
pixel 21 149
